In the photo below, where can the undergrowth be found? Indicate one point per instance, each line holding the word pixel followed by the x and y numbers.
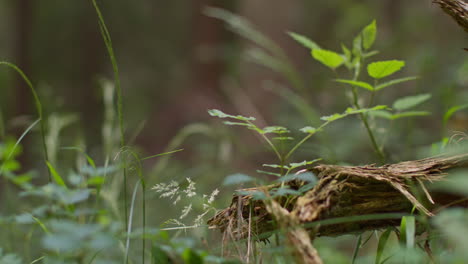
pixel 86 210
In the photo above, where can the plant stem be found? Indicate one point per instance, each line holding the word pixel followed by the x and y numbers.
pixel 363 116
pixel 110 50
pixel 269 143
pixel 368 129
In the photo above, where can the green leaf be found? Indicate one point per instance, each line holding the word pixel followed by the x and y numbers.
pixel 328 58
pixel 348 56
pixel 408 230
pixel 158 255
pixel 220 114
pixel 368 35
pixel 357 48
pixel 382 69
pixel 307 187
pixel 370 54
pixel 304 41
pixel 275 129
pixel 11 165
pixel 382 114
pixel 191 257
pixel 381 246
pixel 332 117
pixel 453 110
pixel 356 83
pixel 256 195
pixel 346 52
pixel 353 111
pixel 269 173
pixel 276 166
pixel 410 114
pixel 57 178
pixel 283 138
pixel 295 165
pixel 283 191
pixel 451 222
pixel 229 123
pixel 410 101
pixel 237 178
pixel 308 130
pixel 393 82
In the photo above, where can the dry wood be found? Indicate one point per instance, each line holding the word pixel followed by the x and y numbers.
pixel 343 191
pixel 457 9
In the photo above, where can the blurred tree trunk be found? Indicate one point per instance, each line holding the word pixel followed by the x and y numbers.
pixel 89 103
pixel 22 53
pixel 274 23
pixel 207 67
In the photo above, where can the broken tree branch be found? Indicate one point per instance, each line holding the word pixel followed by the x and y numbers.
pixel 347 191
pixel 457 9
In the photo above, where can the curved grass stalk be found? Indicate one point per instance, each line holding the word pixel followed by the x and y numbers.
pixel 37 103
pixel 110 50
pixel 130 220
pixel 8 157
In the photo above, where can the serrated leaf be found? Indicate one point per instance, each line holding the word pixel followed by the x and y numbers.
pixel 328 58
pixel 356 83
pixel 220 114
pixel 410 114
pixel 368 35
pixel 410 101
pixel 237 178
pixel 304 41
pixel 308 130
pixel 275 129
pixel 393 82
pixel 381 69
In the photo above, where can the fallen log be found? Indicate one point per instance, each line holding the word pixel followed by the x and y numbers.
pixel 342 191
pixel 457 9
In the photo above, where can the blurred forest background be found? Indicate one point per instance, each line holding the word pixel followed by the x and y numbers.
pixel 176 63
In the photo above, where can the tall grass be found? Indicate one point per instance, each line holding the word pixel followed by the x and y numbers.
pixel 37 103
